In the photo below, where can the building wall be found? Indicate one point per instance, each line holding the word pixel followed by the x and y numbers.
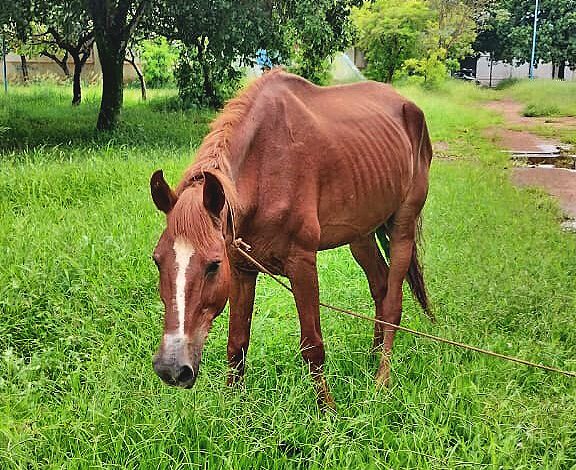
pixel 39 67
pixel 501 71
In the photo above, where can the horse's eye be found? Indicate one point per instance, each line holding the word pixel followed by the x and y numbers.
pixel 212 268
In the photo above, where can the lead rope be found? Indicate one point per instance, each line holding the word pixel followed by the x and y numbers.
pixel 243 248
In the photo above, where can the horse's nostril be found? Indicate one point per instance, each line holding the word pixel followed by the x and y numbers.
pixel 185 374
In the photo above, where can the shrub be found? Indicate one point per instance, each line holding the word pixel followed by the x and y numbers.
pixel 159 59
pixel 209 82
pixel 541 109
pixel 432 69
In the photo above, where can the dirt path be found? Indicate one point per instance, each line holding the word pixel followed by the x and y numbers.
pixel 559 182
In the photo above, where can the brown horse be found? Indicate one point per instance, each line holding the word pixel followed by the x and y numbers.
pixel 292 168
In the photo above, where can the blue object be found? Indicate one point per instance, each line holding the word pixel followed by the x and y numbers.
pixel 263 60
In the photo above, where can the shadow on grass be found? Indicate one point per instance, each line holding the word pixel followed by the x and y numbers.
pixel 41 117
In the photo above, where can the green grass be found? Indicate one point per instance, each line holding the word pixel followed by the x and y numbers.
pixel 80 316
pixel 545 97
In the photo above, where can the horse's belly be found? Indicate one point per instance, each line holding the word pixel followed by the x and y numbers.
pixel 347 221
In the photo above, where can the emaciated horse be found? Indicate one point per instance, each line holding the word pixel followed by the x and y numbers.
pixel 291 168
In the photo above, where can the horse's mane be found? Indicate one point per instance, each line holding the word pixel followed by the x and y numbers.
pixel 213 157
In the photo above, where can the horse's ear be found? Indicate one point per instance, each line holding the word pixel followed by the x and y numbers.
pixel 162 195
pixel 214 197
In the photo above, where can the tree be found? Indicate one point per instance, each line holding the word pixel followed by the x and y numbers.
pixel 494 27
pixel 508 35
pixel 315 30
pixel 131 59
pixel 159 59
pixel 215 36
pixel 453 29
pixel 557 31
pixel 67 26
pixel 114 23
pixel 389 33
pixel 16 17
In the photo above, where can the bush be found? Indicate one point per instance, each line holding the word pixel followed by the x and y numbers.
pixel 541 110
pixel 315 69
pixel 432 70
pixel 209 82
pixel 159 59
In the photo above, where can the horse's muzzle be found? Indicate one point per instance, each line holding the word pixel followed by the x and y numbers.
pixel 173 373
pixel 177 362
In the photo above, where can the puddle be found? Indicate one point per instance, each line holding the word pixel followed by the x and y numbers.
pixel 546 154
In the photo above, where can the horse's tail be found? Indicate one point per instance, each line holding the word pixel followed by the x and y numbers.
pixel 414 275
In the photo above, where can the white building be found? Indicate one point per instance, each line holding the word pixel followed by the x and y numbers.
pixel 491 76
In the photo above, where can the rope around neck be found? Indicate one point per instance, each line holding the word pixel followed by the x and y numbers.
pixel 243 248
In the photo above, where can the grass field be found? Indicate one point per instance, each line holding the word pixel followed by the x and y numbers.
pixel 545 97
pixel 80 316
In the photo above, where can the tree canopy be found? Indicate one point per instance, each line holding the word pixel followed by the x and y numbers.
pixel 507 34
pixel 423 37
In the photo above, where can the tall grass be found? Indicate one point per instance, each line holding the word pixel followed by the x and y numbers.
pixel 80 316
pixel 545 97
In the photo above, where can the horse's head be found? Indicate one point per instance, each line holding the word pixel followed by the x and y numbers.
pixel 194 273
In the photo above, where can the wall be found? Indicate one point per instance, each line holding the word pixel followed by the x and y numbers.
pixel 501 71
pixel 39 67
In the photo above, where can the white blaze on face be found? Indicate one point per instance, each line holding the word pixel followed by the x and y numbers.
pixel 184 251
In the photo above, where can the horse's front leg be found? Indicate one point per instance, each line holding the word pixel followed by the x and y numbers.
pixel 304 281
pixel 242 290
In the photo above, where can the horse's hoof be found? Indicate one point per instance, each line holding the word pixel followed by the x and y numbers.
pixel 234 380
pixel 326 404
pixel 383 375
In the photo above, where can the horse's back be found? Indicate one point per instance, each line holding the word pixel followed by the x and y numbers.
pixel 356 149
pixel 345 155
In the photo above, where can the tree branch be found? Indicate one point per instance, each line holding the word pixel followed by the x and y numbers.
pixel 135 18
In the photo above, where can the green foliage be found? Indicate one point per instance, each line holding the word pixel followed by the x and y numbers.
pixel 494 28
pixel 214 36
pixel 314 31
pixel 424 38
pixel 431 69
pixel 507 83
pixel 204 80
pixel 452 29
pixel 389 33
pixel 541 109
pixel 81 317
pixel 159 59
pixel 509 25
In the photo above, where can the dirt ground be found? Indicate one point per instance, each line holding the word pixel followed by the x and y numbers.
pixel 512 112
pixel 559 182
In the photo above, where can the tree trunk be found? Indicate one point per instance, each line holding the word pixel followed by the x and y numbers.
pixel 209 91
pixel 112 61
pixel 113 28
pixel 63 64
pixel 389 75
pixel 76 84
pixel 132 61
pixel 25 76
pixel 561 69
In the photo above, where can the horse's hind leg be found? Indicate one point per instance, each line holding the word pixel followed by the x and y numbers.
pixel 368 256
pixel 402 241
